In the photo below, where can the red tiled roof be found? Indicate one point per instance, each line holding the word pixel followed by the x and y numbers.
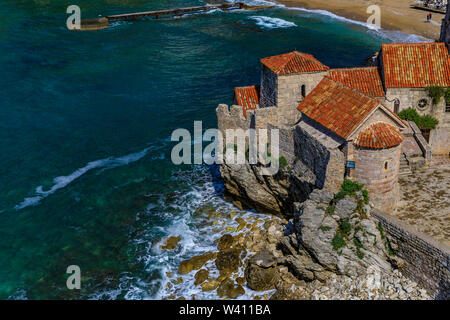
pixel 293 62
pixel 379 135
pixel 337 107
pixel 416 65
pixel 247 97
pixel 365 80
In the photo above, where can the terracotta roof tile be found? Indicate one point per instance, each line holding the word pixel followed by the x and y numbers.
pixel 337 107
pixel 247 97
pixel 416 65
pixel 365 80
pixel 379 135
pixel 293 62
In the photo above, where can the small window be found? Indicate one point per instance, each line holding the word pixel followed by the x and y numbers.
pixel 447 107
pixel 386 165
pixel 422 104
pixel 396 106
pixel 303 91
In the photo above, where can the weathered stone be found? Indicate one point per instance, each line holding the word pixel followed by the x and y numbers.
pixel 201 276
pixel 185 267
pixel 171 243
pixel 210 285
pixel 260 278
pixel 229 260
pixel 225 242
pixel 263 259
pixel 227 288
pixel 345 207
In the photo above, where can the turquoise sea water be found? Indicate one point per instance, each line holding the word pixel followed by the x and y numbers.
pixel 85 125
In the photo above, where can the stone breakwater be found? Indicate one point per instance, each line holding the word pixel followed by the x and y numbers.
pixel 330 249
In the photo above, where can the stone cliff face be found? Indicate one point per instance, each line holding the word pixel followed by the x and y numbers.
pixel 310 164
pixel 445 28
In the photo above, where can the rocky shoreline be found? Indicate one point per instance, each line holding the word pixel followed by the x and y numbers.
pixel 330 249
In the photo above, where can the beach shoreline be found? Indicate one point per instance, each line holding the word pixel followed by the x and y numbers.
pixel 395 14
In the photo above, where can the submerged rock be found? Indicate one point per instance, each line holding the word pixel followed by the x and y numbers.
pixel 229 260
pixel 227 288
pixel 201 276
pixel 171 243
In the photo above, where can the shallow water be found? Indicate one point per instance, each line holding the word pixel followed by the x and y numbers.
pixel 85 125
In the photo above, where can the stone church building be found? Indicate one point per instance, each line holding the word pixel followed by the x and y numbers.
pixel 351 112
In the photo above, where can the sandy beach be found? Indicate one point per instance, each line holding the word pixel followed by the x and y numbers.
pixel 395 14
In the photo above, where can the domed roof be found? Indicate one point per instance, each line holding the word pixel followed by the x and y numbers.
pixel 379 135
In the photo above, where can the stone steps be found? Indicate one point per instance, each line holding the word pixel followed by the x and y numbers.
pixel 404 167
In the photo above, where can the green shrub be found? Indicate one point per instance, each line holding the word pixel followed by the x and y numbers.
pixel 410 114
pixel 423 122
pixel 435 92
pixel 350 187
pixel 283 162
pixel 325 228
pixel 365 195
pixel 428 122
pixel 345 227
pixel 330 209
pixel 447 96
pixel 337 242
pixel 380 228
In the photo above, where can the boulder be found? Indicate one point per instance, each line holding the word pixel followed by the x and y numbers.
pixel 185 267
pixel 227 288
pixel 225 242
pixel 345 207
pixel 210 285
pixel 229 260
pixel 201 276
pixel 171 243
pixel 261 272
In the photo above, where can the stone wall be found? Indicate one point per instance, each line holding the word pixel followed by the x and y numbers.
pixel 378 170
pixel 445 27
pixel 269 88
pixel 427 261
pixel 319 152
pixel 290 93
pixel 409 98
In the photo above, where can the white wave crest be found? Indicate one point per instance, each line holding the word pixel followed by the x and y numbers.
pixel 272 23
pixel 62 181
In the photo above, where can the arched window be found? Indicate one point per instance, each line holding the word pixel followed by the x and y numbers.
pixel 396 106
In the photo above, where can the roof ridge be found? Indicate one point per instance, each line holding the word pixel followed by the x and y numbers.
pixel 354 68
pixel 353 89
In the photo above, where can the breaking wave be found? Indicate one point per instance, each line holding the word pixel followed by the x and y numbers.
pixel 62 181
pixel 272 23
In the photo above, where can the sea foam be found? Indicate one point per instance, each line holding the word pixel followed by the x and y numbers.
pixel 272 23
pixel 62 181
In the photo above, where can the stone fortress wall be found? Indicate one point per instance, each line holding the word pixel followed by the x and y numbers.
pixel 426 260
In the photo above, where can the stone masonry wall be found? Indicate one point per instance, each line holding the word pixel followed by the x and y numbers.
pixel 327 164
pixel 445 27
pixel 378 170
pixel 409 98
pixel 269 88
pixel 427 261
pixel 290 93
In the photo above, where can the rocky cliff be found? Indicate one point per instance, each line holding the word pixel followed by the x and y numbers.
pixel 306 163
